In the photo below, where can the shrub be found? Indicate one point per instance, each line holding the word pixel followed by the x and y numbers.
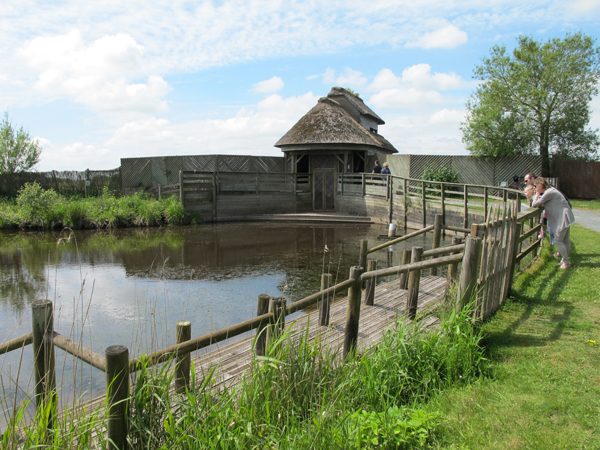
pixel 174 211
pixel 37 206
pixel 442 174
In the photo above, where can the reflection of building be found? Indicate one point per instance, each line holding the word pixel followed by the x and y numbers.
pixel 339 135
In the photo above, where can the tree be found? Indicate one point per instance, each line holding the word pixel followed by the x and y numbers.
pixel 535 101
pixel 18 152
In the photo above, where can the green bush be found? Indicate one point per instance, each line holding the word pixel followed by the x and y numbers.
pixel 441 174
pixel 174 211
pixel 37 206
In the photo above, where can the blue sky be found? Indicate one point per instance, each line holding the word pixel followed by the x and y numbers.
pixel 98 81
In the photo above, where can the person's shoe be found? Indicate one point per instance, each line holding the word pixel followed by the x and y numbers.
pixel 565 266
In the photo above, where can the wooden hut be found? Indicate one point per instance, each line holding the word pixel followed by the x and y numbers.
pixel 339 135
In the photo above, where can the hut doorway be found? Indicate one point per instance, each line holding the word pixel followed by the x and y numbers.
pixel 324 179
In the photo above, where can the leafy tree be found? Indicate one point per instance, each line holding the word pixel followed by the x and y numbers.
pixel 18 152
pixel 535 101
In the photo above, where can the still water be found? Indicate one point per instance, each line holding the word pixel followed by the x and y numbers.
pixel 131 286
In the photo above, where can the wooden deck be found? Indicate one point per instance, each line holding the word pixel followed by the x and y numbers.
pixel 231 360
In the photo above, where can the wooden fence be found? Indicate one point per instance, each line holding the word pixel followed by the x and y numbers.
pixel 487 258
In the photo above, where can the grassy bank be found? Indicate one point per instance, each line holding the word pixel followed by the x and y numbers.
pixel 593 205
pixel 36 208
pixel 299 396
pixel 545 356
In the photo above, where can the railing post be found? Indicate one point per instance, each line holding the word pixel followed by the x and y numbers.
pixel 370 283
pixel 424 201
pixel 466 221
pixel 513 264
pixel 353 312
pixel 443 196
pixel 391 197
pixel 364 189
pixel 159 191
pixel 261 331
pixel 414 278
pixel 470 270
pixel 117 394
pixel 453 268
pixel 504 195
pixel 325 305
pixel 406 255
pixel 485 203
pixel 405 190
pixel 42 320
pixel 437 238
pixel 183 333
pixel 362 260
pixel 181 191
pixel 277 307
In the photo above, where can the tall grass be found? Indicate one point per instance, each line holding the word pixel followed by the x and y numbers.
pixel 35 207
pixel 300 395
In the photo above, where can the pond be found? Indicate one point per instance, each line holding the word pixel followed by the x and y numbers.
pixel 130 286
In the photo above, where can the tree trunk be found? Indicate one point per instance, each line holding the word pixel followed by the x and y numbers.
pixel 544 151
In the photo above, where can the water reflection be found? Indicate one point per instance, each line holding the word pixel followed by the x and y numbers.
pixel 131 286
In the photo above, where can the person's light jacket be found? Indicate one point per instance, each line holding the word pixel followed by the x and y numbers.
pixel 558 211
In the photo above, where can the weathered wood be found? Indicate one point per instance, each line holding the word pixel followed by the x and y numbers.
pixel 485 203
pixel 437 237
pixel 469 271
pixel 79 351
pixel 277 308
pixel 117 382
pixel 405 192
pixel 529 249
pixel 414 278
pixel 424 204
pixel 454 249
pixel 453 268
pixel 466 212
pixel 16 343
pixel 314 298
pixel 457 229
pixel 400 239
pixel 181 189
pixel 530 233
pixel 406 255
pixel 421 265
pixel 370 283
pixel 42 320
pixel 362 261
pixel 183 333
pixel 352 312
pixel 443 205
pixel 261 331
pixel 325 305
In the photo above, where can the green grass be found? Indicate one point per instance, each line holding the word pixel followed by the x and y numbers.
pixel 545 389
pixel 36 208
pixel 586 204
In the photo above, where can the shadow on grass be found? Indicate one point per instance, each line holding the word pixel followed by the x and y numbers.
pixel 547 294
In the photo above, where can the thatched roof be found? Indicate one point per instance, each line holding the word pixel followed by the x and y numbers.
pixel 355 101
pixel 328 124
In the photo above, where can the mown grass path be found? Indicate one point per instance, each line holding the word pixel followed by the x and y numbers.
pixel 544 347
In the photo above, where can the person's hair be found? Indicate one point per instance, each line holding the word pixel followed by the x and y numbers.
pixel 528 188
pixel 531 175
pixel 542 181
pixel 376 162
pixel 385 164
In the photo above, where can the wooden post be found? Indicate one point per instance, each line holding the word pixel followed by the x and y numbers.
pixel 181 192
pixel 362 261
pixel 214 196
pixel 370 283
pixel 453 268
pixel 475 230
pixel 391 198
pixel 257 182
pixel 443 192
pixel 414 278
pixel 325 305
pixel 405 204
pixel 424 201
pixel 159 191
pixel 364 188
pixel 277 307
pixel 183 332
pixel 406 255
pixel 470 271
pixel 353 312
pixel 466 221
pixel 513 263
pixel 437 238
pixel 504 195
pixel 261 331
pixel 485 203
pixel 42 320
pixel 117 382
pixel 518 202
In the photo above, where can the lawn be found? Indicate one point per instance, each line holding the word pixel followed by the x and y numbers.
pixel 586 204
pixel 544 349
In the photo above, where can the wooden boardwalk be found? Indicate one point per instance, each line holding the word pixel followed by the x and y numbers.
pixel 231 360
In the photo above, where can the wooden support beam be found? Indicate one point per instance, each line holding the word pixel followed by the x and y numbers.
pixel 183 333
pixel 414 279
pixel 370 283
pixel 325 305
pixel 453 268
pixel 470 271
pixel 437 238
pixel 352 312
pixel 117 394
pixel 261 331
pixel 42 319
pixel 406 255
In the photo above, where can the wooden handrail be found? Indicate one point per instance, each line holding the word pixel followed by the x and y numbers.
pixel 79 351
pixel 400 239
pixel 314 298
pixel 524 253
pixel 530 233
pixel 192 345
pixel 443 250
pixel 529 214
pixel 16 343
pixel 437 262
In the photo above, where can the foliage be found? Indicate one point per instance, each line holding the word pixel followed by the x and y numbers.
pixel 442 174
pixel 18 152
pixel 535 101
pixel 353 92
pixel 35 207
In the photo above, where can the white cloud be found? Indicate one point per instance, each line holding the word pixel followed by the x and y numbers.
pixel 273 84
pixel 447 116
pixel 97 75
pixel 351 78
pixel 75 156
pixel 405 98
pixel 446 37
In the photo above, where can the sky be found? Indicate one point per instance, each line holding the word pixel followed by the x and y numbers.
pixel 94 82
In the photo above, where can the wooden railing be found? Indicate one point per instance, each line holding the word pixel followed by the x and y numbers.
pixel 499 239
